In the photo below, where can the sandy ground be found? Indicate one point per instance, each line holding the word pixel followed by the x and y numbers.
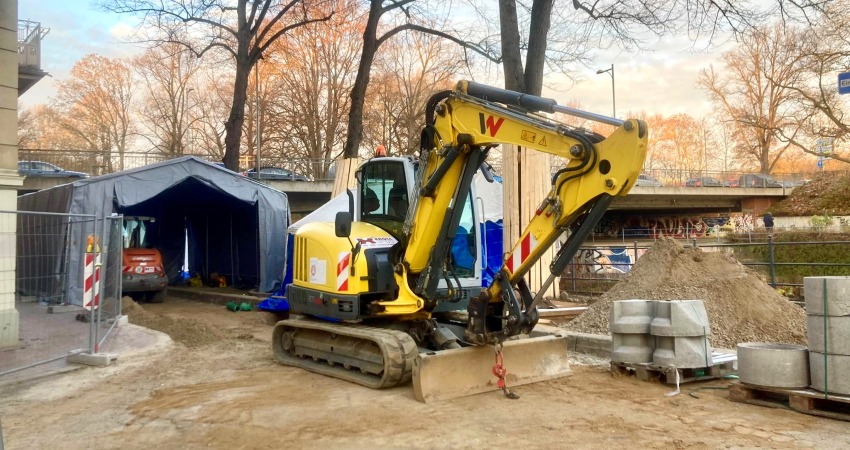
pixel 231 394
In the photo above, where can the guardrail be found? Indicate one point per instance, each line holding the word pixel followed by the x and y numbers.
pixel 95 163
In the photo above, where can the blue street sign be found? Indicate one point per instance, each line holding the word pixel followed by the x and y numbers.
pixel 844 83
pixel 820 163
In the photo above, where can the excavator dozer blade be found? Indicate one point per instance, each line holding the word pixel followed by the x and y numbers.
pixel 465 371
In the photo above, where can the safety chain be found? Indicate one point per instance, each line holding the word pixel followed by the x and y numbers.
pixel 500 372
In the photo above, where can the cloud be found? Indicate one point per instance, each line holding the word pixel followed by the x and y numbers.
pixel 122 31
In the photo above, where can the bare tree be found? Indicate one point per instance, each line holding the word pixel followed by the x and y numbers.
pixel 409 70
pixel 313 71
pixel 400 16
pixel 750 91
pixel 95 105
pixel 38 129
pixel 823 52
pixel 244 29
pixel 166 73
pixel 209 112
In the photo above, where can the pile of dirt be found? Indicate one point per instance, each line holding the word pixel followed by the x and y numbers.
pixel 740 306
pixel 187 331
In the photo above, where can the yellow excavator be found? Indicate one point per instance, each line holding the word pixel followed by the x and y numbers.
pixel 382 296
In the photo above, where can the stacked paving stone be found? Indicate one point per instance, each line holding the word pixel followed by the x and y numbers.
pixel 828 323
pixel 664 333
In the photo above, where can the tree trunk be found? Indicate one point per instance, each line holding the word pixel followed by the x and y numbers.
pixel 245 60
pixel 358 91
pixel 541 13
pixel 524 186
pixel 233 126
pixel 511 57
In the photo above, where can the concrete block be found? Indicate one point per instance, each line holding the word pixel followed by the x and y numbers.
pixel 631 316
pixel 589 344
pixel 836 302
pixel 836 340
pixel 680 318
pixel 682 352
pixel 830 373
pixel 92 359
pixel 773 365
pixel 632 348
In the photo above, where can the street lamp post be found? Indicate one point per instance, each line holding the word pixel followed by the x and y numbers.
pixel 613 96
pixel 257 107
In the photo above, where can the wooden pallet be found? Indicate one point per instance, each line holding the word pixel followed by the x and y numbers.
pixel 724 364
pixel 806 401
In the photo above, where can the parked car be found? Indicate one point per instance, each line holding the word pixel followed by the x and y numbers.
pixel 275 173
pixel 44 169
pixel 730 183
pixel 703 182
pixel 757 180
pixel 647 180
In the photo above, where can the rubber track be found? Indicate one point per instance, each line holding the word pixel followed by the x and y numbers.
pixel 398 350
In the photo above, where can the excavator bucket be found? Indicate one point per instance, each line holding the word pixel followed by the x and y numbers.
pixel 465 371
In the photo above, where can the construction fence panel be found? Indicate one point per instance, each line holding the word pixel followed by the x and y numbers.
pixel 51 326
pixel 109 292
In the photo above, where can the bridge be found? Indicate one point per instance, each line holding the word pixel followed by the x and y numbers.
pixel 306 196
pixel 707 199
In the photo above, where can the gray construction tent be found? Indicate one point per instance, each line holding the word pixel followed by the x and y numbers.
pixel 234 226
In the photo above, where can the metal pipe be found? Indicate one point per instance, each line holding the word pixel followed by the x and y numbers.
pixel 46 361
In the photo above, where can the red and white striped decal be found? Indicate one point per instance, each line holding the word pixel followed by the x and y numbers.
pixel 521 252
pixel 343 262
pixel 91 281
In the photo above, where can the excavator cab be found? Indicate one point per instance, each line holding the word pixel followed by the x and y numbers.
pixel 386 186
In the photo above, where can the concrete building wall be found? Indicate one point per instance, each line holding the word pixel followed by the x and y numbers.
pixel 9 179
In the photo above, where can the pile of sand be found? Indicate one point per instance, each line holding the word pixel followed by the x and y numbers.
pixel 187 331
pixel 741 307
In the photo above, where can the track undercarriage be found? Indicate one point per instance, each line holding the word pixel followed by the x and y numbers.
pixel 374 357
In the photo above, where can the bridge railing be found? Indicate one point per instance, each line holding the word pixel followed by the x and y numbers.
pixel 729 178
pixel 95 163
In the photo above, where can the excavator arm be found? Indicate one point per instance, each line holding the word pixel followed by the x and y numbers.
pixel 461 127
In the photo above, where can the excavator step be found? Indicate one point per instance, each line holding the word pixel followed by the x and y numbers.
pixel 373 357
pixel 465 371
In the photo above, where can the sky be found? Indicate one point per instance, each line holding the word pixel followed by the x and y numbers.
pixel 661 81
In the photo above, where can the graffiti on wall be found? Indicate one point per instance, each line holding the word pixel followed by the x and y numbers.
pixel 676 226
pixel 602 260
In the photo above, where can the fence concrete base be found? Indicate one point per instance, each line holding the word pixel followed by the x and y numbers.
pixel 9 327
pixel 92 359
pixel 121 320
pixel 56 309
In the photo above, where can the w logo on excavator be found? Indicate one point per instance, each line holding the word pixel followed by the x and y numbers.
pixel 490 125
